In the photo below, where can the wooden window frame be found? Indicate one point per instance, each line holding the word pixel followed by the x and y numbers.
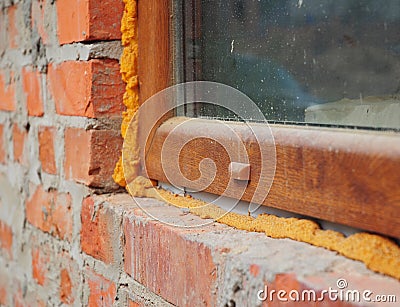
pixel 351 177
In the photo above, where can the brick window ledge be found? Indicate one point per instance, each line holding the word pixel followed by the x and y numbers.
pixel 215 265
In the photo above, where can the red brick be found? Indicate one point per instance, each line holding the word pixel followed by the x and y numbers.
pixel 2 145
pixel 7 93
pixel 283 282
pixel 91 89
pixel 46 149
pixel 6 238
pixel 69 279
pixel 40 260
pixel 31 82
pixel 19 137
pixel 161 258
pixel 133 304
pixel 99 233
pixel 50 265
pixel 254 270
pixel 3 31
pixel 98 20
pixel 70 86
pixel 66 287
pixel 90 156
pixel 12 28
pixel 3 296
pixel 50 212
pixel 102 290
pixel 77 148
pixel 6 291
pixel 38 19
pixel 107 88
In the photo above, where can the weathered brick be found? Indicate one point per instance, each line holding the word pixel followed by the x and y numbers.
pixel 55 270
pixel 77 148
pixel 6 238
pixel 66 287
pixel 19 137
pixel 3 31
pixel 32 88
pixel 12 28
pixel 92 89
pixel 254 270
pixel 69 280
pixel 46 149
pixel 100 233
pixel 3 296
pixel 69 84
pixel 51 212
pixel 3 153
pixel 38 20
pixel 133 304
pixel 178 269
pixel 7 93
pixel 102 290
pixel 98 20
pixel 40 261
pixel 90 156
pixel 107 88
pixel 8 286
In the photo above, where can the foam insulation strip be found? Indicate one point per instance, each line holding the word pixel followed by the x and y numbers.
pixel 129 74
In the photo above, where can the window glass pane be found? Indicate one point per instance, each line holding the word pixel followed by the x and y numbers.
pixel 317 61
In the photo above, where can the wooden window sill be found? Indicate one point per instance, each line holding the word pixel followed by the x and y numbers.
pixel 331 174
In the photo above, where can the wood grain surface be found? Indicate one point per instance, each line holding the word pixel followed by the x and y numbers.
pixel 154 62
pixel 331 174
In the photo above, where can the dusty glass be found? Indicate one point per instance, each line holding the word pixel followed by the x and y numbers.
pixel 329 62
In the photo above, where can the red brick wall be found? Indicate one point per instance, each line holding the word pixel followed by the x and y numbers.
pixel 60 113
pixel 60 243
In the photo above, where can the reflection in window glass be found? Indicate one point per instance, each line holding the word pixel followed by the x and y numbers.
pixel 320 61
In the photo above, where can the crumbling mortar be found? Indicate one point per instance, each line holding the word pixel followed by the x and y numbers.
pixel 38 53
pixel 97 206
pixel 136 290
pixel 45 237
